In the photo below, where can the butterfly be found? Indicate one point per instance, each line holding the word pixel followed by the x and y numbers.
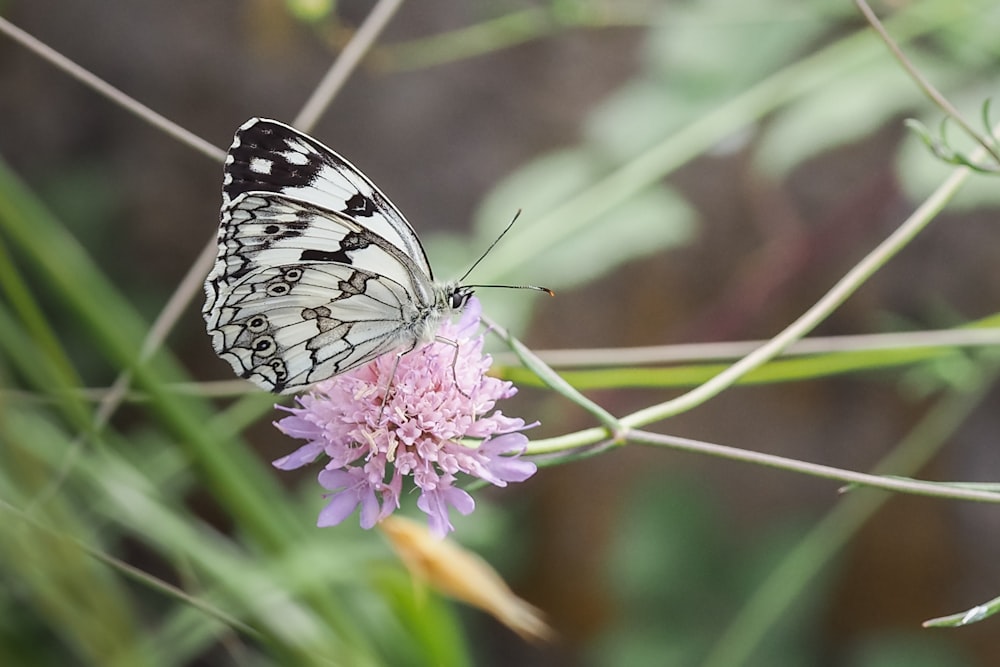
pixel 317 271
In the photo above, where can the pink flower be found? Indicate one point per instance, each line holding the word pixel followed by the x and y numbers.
pixel 439 395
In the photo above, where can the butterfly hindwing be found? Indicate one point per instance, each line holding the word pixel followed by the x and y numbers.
pixel 285 327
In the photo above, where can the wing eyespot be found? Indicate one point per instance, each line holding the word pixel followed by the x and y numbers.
pixel 264 346
pixel 256 324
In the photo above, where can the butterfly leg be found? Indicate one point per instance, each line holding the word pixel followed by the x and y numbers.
pixel 391 454
pixel 454 362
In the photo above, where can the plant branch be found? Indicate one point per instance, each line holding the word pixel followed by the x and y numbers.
pixel 555 382
pixel 888 483
pixel 346 63
pixel 723 351
pixel 830 301
pixel 987 144
pixel 104 88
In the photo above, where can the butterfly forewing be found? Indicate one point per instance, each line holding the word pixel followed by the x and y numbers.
pixel 262 229
pixel 318 272
pixel 268 156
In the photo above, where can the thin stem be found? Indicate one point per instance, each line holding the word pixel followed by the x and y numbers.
pixel 897 484
pixel 839 293
pixel 109 91
pixel 977 613
pixel 346 63
pixel 926 86
pixel 724 351
pixel 634 356
pixel 554 381
pixel 799 328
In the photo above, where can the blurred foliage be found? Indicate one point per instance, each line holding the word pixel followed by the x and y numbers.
pixel 233 570
pixel 311 11
pixel 656 219
pixel 904 649
pixel 678 582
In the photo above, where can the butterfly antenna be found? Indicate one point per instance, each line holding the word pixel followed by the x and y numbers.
pixel 534 287
pixel 492 245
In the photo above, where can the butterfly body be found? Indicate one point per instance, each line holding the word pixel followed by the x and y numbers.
pixel 317 271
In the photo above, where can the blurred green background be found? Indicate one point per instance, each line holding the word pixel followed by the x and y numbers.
pixel 689 172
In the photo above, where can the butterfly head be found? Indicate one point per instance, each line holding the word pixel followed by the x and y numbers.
pixel 458 296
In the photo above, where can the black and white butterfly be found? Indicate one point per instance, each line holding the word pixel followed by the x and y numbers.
pixel 318 272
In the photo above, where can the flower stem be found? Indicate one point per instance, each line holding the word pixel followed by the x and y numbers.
pixel 555 382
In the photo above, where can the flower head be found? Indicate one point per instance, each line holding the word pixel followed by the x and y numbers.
pixel 411 418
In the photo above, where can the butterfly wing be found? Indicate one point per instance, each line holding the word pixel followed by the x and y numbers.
pixel 268 156
pixel 286 327
pixel 264 229
pixel 316 276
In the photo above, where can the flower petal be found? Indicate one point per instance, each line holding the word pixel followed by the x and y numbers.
pixel 340 507
pixel 434 503
pixel 297 427
pixel 303 455
pixel 499 460
pixel 370 509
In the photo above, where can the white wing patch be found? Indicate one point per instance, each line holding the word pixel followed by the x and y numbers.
pixel 317 271
pixel 259 165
